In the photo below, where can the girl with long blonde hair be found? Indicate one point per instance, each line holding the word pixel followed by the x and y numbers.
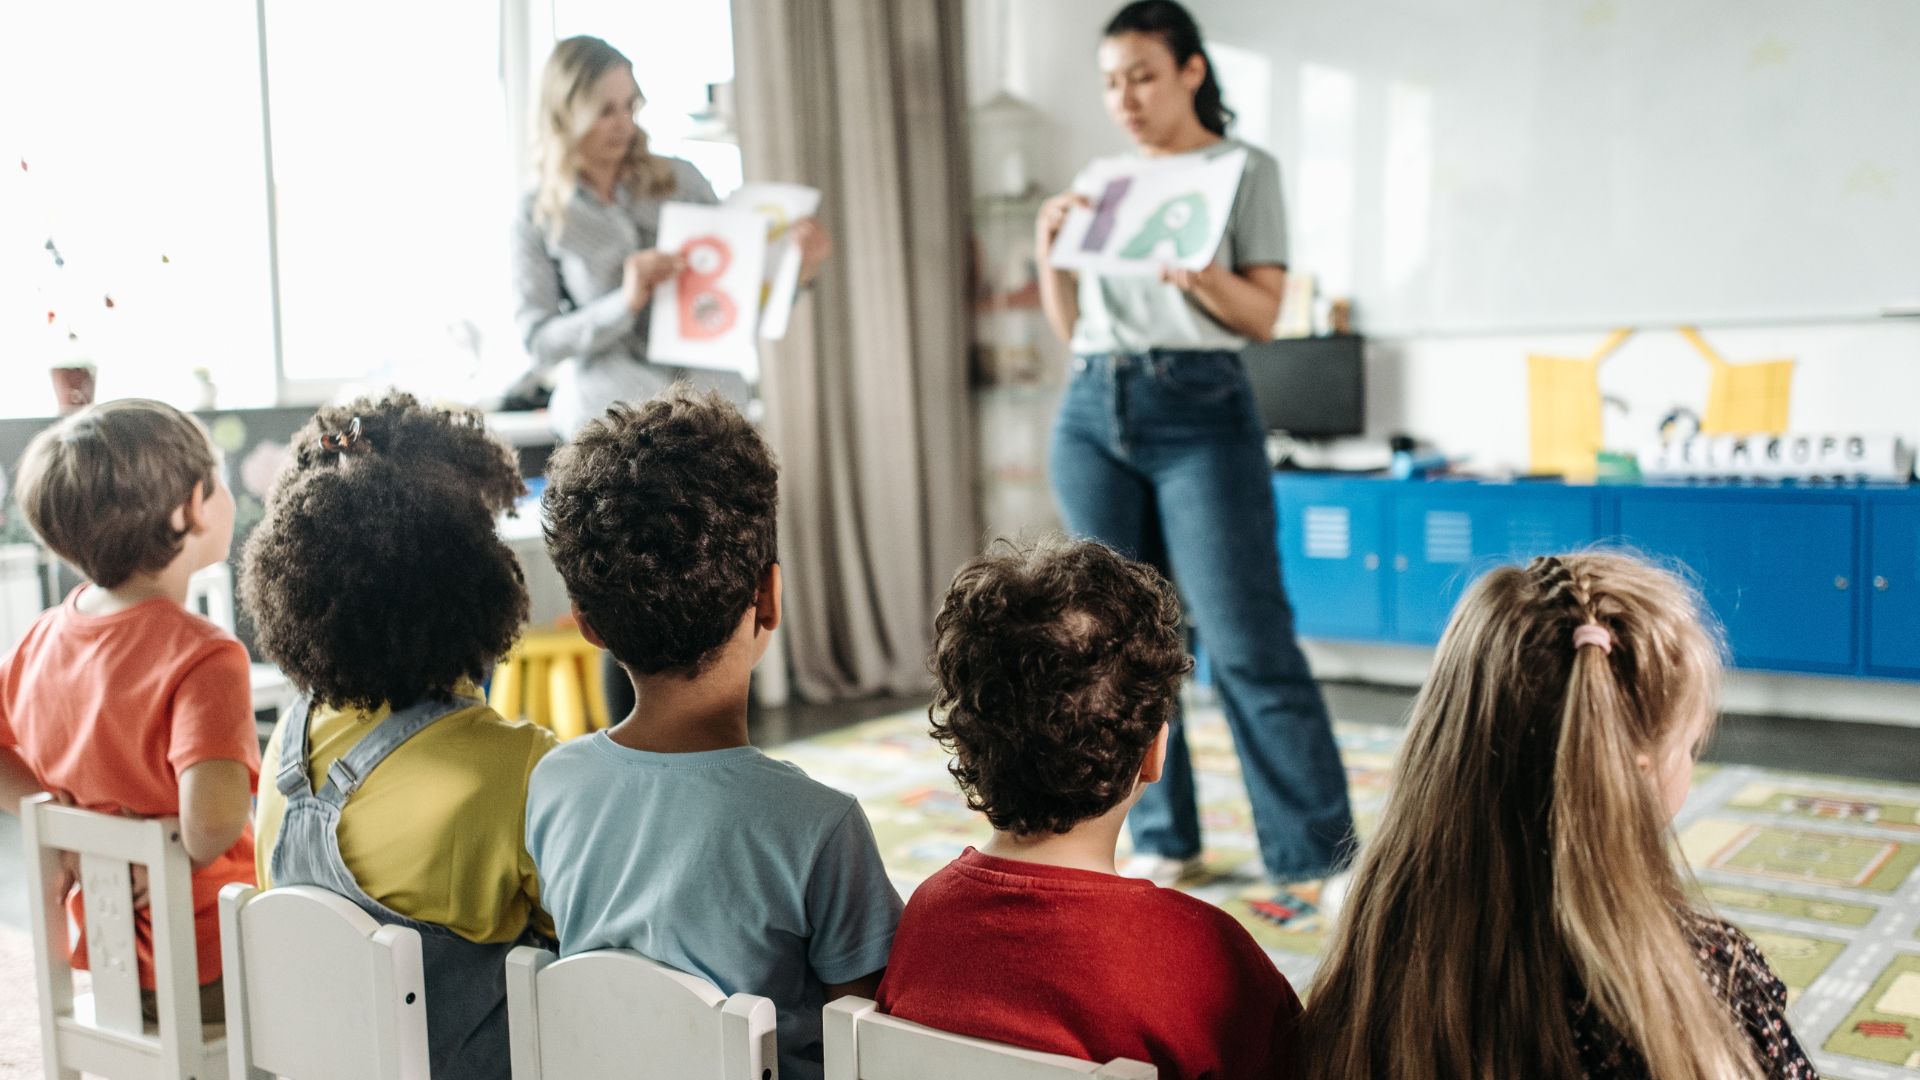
pixel 1518 913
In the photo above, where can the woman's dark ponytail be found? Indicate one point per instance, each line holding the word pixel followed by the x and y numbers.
pixel 1172 24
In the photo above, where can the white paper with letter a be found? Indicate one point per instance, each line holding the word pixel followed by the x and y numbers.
pixel 706 316
pixel 1149 214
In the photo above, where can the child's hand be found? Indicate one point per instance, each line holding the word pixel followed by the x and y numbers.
pixel 70 878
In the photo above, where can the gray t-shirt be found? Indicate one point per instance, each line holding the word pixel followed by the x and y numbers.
pixel 571 311
pixel 1134 314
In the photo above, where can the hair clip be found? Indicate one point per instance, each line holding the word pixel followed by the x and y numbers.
pixel 349 441
pixel 1593 634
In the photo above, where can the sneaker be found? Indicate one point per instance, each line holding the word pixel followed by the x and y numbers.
pixel 1161 870
pixel 1333 893
pixel 1327 894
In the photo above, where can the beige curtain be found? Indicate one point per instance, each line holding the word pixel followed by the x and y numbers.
pixel 867 401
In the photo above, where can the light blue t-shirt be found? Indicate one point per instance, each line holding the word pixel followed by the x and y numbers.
pixel 726 864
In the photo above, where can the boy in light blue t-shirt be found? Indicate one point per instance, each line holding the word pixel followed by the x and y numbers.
pixel 668 834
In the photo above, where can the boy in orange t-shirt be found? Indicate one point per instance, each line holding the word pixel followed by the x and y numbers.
pixel 120 700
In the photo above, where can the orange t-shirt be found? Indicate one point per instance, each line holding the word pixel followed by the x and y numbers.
pixel 111 709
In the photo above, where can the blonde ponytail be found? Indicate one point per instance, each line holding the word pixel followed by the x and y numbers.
pixel 1523 854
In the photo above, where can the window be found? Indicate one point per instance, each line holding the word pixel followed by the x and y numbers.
pixel 140 130
pixel 393 192
pixel 394 177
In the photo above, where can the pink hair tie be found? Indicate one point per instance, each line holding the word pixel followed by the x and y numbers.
pixel 1593 634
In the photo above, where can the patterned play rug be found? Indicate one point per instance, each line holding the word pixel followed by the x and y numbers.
pixel 1818 870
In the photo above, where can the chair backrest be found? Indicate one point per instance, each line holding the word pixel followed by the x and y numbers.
pixel 863 1043
pixel 210 593
pixel 102 1031
pixel 614 1013
pixel 317 989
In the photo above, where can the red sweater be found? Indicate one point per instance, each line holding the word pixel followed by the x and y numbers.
pixel 1090 965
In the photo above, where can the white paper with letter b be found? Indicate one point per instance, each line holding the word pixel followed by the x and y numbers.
pixel 781 205
pixel 705 317
pixel 1148 214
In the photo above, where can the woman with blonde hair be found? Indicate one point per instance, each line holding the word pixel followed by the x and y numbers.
pixel 584 262
pixel 1518 912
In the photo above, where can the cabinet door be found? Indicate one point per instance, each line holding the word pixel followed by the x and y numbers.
pixel 1893 623
pixel 1446 537
pixel 1778 572
pixel 1332 543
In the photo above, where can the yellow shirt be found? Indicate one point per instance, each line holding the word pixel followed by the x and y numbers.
pixel 438 830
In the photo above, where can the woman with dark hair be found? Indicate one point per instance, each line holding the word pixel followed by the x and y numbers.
pixel 1158 452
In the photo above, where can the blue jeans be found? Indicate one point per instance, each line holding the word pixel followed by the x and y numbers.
pixel 1161 456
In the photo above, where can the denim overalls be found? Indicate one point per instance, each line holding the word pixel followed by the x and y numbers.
pixel 465 980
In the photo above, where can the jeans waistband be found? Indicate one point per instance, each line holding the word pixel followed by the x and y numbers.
pixel 1150 360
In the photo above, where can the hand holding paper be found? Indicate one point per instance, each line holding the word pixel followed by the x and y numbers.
pixel 784 207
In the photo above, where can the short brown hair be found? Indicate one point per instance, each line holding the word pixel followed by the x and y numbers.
pixel 1054 667
pixel 661 518
pixel 378 575
pixel 101 486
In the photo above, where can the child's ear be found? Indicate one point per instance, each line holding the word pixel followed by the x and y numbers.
pixel 186 516
pixel 767 601
pixel 1155 763
pixel 586 629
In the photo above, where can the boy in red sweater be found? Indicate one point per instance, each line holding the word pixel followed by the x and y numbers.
pixel 1055 672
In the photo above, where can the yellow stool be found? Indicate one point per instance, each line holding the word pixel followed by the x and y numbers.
pixel 552 678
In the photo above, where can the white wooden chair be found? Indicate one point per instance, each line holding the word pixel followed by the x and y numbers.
pixel 317 989
pixel 210 593
pixel 863 1043
pixel 613 1013
pixel 103 1032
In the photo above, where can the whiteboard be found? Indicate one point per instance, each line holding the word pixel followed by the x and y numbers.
pixel 1462 166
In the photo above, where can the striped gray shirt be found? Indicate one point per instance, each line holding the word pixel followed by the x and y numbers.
pixel 572 313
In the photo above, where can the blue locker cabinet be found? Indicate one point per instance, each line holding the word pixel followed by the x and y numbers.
pixel 1893 589
pixel 1447 534
pixel 1781 573
pixel 1333 553
pixel 1815 579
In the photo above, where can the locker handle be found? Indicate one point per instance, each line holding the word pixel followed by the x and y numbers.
pixel 1881 583
pixel 1841 583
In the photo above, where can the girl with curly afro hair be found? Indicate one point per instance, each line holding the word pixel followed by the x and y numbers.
pixel 379 586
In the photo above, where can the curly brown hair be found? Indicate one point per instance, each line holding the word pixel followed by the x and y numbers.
pixel 101 486
pixel 660 516
pixel 1054 667
pixel 377 576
